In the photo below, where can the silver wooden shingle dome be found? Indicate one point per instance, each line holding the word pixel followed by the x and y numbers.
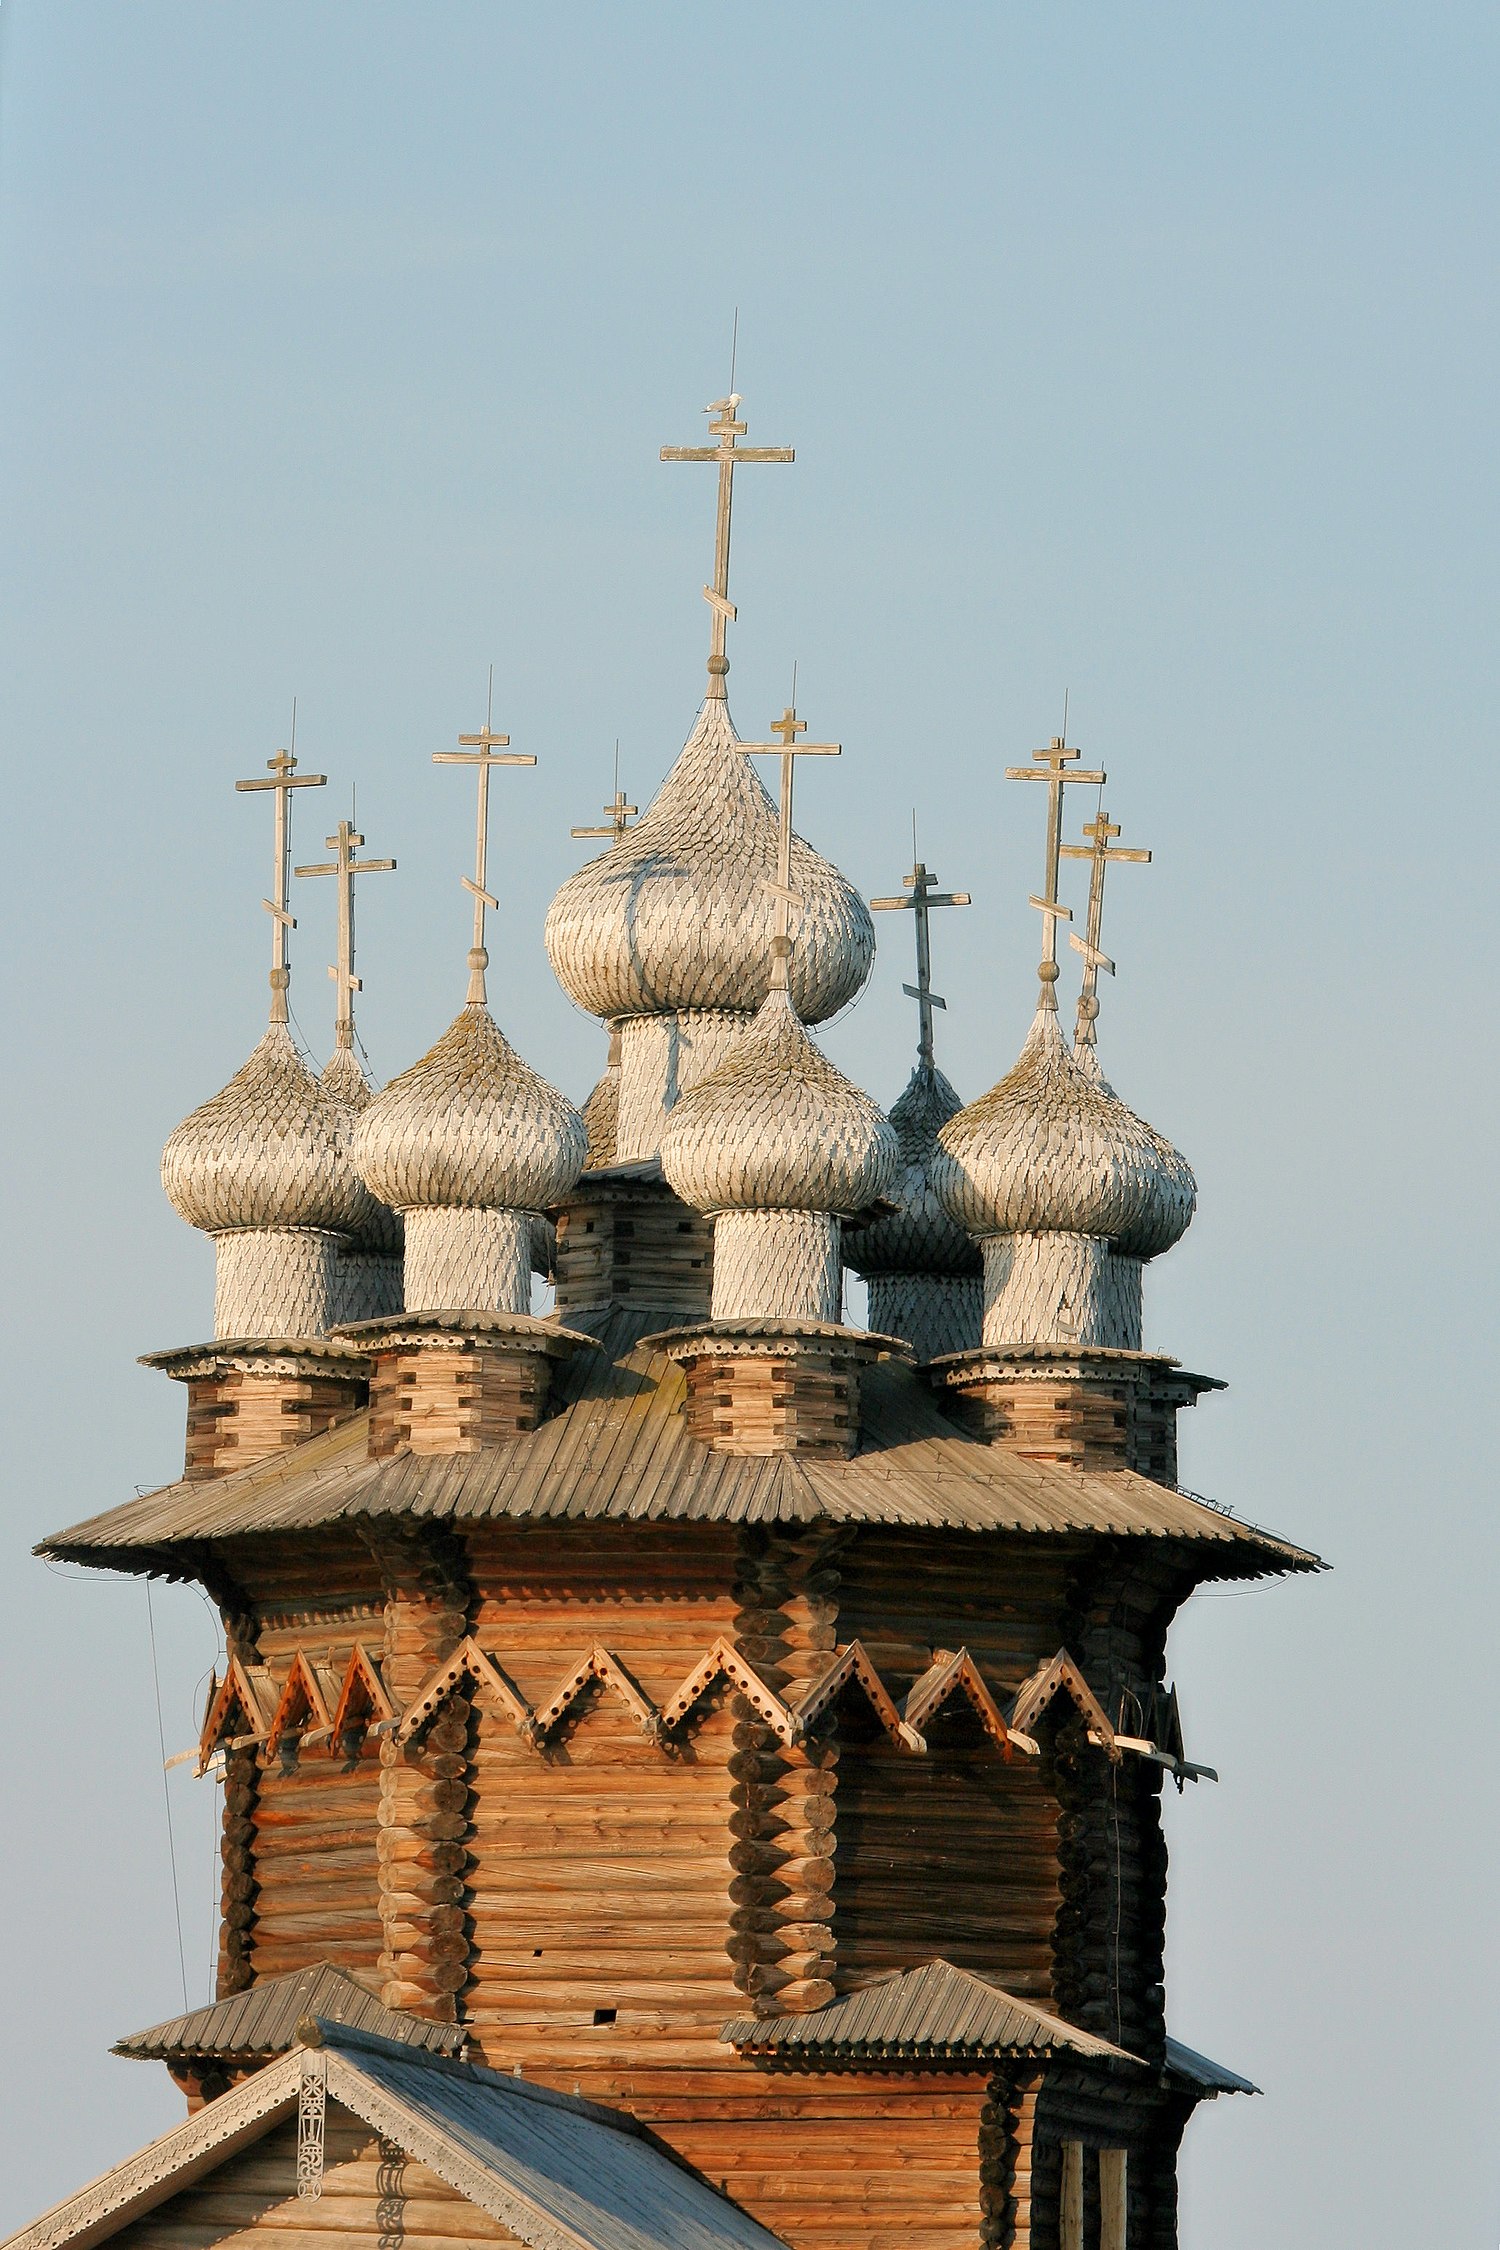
pixel 1053 1150
pixel 266 1169
pixel 368 1273
pixel 676 916
pixel 271 1150
pixel 470 1126
pixel 777 1128
pixel 470 1145
pixel 919 1236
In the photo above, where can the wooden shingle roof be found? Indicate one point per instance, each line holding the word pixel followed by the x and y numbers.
pixel 263 2020
pixel 620 1450
pixel 559 2173
pixel 934 2013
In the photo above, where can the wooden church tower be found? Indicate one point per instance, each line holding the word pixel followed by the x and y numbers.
pixel 691 1768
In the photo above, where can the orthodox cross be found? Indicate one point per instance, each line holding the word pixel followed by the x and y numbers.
pixel 344 866
pixel 922 895
pixel 728 452
pixel 617 813
pixel 482 751
pixel 284 779
pixel 1051 765
pixel 788 749
pixel 1099 852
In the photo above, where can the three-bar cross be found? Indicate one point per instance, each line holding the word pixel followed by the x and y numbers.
pixel 921 897
pixel 788 749
pixel 1098 851
pixel 480 751
pixel 728 453
pixel 1051 765
pixel 284 779
pixel 344 866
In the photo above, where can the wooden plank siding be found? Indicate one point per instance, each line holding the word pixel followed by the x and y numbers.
pixel 369 2196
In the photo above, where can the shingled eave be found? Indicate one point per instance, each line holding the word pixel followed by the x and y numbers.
pixel 620 1450
pixel 263 2019
pixel 934 2013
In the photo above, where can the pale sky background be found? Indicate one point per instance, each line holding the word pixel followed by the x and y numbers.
pixel 1146 352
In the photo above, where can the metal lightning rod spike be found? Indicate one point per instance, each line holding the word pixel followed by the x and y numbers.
pixel 921 897
pixel 482 751
pixel 1099 851
pixel 1051 765
pixel 284 778
pixel 344 867
pixel 728 453
pixel 788 749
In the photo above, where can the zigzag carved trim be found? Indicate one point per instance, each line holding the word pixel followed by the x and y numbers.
pixel 955 1673
pixel 362 1701
pixel 247 1706
pixel 854 1669
pixel 1061 1676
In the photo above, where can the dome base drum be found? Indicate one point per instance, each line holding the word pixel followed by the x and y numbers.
pixel 275 1281
pixel 459 1260
pixel 1070 1289
pixel 935 1313
pixel 661 1059
pixel 777 1265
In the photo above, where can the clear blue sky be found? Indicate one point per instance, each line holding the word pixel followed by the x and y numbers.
pixel 1143 352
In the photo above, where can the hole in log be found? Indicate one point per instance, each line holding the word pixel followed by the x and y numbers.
pixel 605 2015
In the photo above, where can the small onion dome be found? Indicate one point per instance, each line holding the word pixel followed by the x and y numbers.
pixel 470 1127
pixel 601 1112
pixel 919 1237
pixel 380 1228
pixel 1053 1150
pixel 676 914
pixel 272 1150
pixel 777 1128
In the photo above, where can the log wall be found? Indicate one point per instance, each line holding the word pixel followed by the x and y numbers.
pixel 954 1853
pixel 599 1872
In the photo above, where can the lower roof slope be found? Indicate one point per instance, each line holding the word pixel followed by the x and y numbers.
pixel 560 2173
pixel 620 1450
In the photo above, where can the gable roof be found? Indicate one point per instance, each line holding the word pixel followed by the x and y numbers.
pixel 562 2174
pixel 263 2020
pixel 936 2012
pixel 620 1450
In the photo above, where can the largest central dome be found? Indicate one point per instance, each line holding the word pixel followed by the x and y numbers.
pixel 677 915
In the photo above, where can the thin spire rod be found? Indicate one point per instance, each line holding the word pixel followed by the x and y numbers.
pixel 727 453
pixel 284 779
pixel 345 866
pixel 480 752
pixel 788 749
pixel 1099 852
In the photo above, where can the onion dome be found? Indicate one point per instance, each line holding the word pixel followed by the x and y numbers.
pixel 1053 1150
pixel 601 1112
pixel 777 1128
pixel 379 1227
pixel 919 1236
pixel 677 915
pixel 271 1150
pixel 470 1127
